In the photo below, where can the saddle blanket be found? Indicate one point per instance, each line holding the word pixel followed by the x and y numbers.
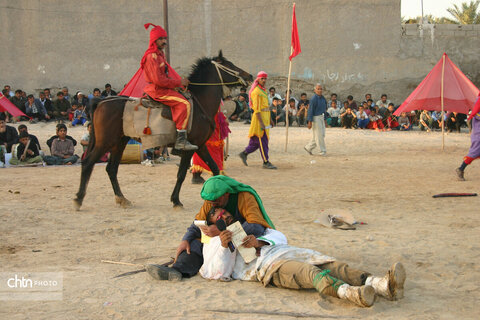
pixel 134 121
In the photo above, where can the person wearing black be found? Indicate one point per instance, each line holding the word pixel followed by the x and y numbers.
pixel 8 134
pixel 27 152
pixel 108 92
pixel 455 121
pixel 23 128
pixel 19 101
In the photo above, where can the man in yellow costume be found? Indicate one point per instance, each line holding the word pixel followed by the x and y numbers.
pixel 261 122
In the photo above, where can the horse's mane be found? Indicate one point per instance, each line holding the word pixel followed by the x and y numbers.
pixel 199 69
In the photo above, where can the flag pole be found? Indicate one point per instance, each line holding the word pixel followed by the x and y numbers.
pixel 165 26
pixel 287 97
pixel 441 102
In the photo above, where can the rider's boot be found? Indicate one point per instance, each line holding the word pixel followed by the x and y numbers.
pixel 182 143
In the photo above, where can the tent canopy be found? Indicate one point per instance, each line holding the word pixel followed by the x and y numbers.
pixel 459 93
pixel 6 105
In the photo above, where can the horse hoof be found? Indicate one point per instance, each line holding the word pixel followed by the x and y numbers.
pixel 123 202
pixel 77 204
pixel 178 205
pixel 197 179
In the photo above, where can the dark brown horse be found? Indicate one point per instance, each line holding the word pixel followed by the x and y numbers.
pixel 107 132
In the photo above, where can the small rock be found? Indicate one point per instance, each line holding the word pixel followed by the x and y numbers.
pixel 369 238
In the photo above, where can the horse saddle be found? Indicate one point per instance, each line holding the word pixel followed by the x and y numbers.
pixel 142 113
pixel 166 112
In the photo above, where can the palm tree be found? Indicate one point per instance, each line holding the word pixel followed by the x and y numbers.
pixel 429 19
pixel 468 14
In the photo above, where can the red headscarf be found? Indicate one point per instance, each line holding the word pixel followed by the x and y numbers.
pixel 261 74
pixel 155 33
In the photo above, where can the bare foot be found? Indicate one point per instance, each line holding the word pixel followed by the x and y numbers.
pixel 68 163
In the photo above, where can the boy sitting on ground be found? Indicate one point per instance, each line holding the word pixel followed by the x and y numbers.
pixel 426 121
pixel 403 122
pixel 79 116
pixel 23 128
pixel 375 121
pixel 390 121
pixel 348 119
pixel 27 151
pixel 62 149
pixel 50 140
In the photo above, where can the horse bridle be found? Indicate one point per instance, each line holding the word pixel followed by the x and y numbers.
pixel 225 89
pixel 227 70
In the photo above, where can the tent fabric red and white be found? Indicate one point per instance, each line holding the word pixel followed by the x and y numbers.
pixel 8 106
pixel 459 93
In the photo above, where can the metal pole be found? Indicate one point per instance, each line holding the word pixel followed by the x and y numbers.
pixel 287 104
pixel 441 102
pixel 422 11
pixel 165 26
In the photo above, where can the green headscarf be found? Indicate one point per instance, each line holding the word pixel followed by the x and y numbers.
pixel 217 186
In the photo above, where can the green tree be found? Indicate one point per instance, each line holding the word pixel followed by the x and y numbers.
pixel 467 14
pixel 430 19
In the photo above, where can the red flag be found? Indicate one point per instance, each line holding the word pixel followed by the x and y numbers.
pixel 295 40
pixel 6 105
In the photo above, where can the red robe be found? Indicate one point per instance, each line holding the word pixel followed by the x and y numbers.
pixel 215 147
pixel 160 86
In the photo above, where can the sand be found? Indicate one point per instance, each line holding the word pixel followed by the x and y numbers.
pixel 384 179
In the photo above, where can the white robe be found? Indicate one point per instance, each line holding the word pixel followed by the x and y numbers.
pixel 221 264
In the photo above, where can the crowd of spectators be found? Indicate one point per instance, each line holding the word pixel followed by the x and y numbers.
pixel 74 109
pixel 350 114
pixel 62 107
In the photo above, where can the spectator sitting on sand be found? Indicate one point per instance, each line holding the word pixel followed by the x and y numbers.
pixel 50 140
pixel 27 151
pixel 62 149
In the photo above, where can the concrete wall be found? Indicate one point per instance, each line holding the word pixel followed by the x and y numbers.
pixel 350 46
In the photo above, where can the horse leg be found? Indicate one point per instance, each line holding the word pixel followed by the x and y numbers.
pixel 182 172
pixel 87 167
pixel 112 170
pixel 207 158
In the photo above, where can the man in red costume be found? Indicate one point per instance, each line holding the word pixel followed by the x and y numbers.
pixel 161 83
pixel 215 147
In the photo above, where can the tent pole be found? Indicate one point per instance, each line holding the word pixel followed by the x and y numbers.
pixel 287 97
pixel 441 102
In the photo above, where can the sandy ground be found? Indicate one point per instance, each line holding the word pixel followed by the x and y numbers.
pixel 384 179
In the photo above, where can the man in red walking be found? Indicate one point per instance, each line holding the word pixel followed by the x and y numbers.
pixel 161 83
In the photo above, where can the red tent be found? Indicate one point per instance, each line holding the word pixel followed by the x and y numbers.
pixel 444 88
pixel 6 105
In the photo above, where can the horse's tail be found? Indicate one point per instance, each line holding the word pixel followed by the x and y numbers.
pixel 93 106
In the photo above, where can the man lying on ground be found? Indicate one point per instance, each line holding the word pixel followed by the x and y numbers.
pixel 218 191
pixel 290 267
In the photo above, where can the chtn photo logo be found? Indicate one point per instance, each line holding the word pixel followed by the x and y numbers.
pixel 17 282
pixel 39 286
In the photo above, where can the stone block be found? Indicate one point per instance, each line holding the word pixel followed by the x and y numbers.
pixel 460 33
pixel 412 32
pixel 466 27
pixel 440 33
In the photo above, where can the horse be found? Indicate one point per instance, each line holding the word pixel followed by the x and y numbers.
pixel 208 78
